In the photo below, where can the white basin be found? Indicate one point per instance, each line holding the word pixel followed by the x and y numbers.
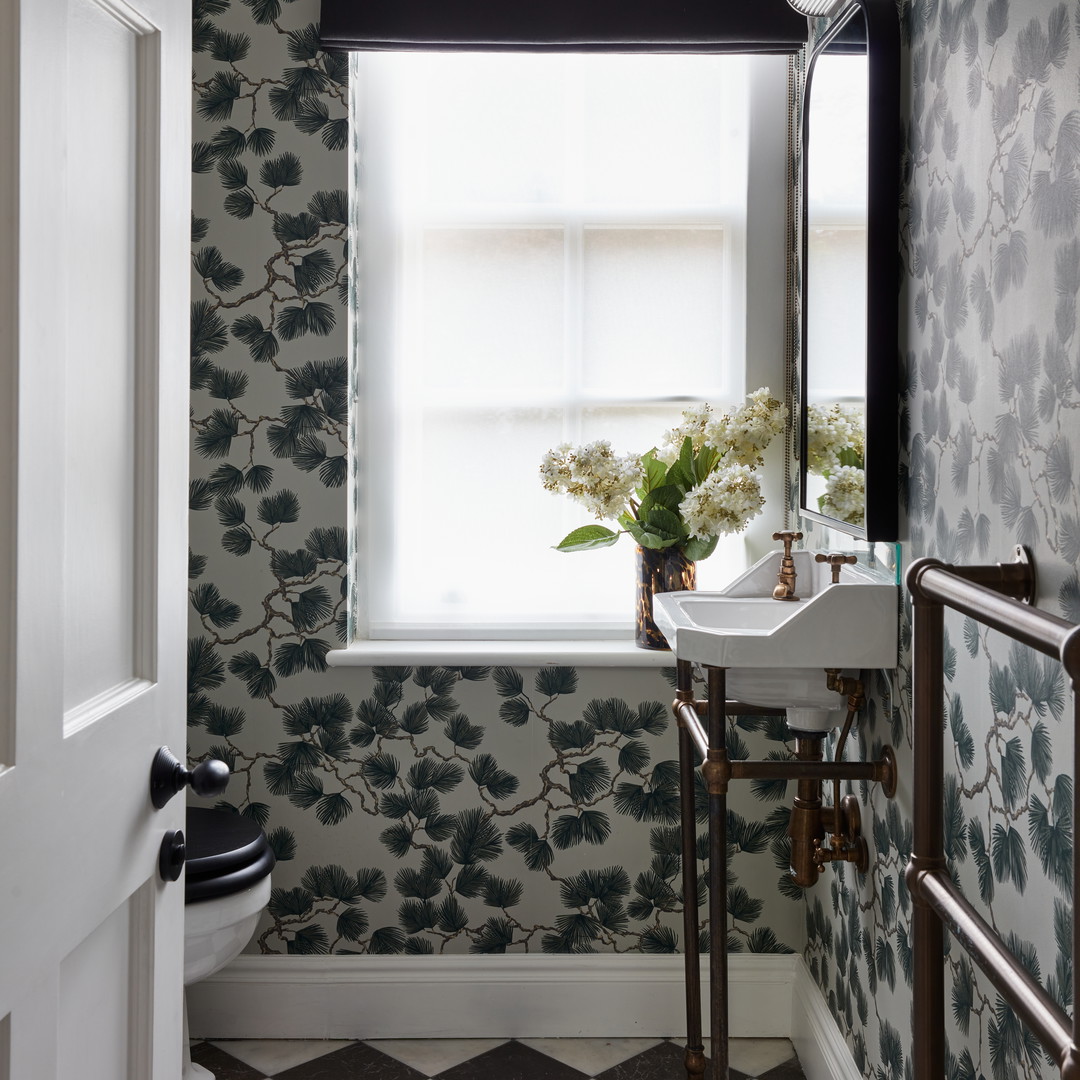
pixel 776 650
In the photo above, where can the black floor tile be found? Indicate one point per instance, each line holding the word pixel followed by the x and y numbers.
pixel 789 1070
pixel 356 1062
pixel 665 1061
pixel 512 1061
pixel 224 1066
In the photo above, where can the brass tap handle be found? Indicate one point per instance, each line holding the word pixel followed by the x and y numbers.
pixel 788 539
pixel 835 560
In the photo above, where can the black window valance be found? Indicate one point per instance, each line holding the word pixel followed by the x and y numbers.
pixel 695 26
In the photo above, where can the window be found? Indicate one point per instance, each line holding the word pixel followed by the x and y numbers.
pixel 552 249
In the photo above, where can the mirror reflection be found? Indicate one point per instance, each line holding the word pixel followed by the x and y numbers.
pixel 836 269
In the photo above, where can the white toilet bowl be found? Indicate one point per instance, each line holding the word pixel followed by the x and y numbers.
pixel 228 885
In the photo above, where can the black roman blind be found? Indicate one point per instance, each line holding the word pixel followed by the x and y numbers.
pixel 632 26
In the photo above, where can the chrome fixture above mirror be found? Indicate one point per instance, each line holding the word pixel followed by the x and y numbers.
pixel 848 416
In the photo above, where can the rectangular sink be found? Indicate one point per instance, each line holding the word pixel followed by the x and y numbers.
pixel 785 644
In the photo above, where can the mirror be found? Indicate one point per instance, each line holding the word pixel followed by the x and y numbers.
pixel 850 211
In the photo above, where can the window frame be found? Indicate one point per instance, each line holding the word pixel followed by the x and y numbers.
pixel 374 435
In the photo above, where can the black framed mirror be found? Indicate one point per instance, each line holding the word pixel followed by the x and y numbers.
pixel 848 415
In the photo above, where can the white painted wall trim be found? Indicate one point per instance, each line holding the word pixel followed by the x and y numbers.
pixel 822 1050
pixel 513 995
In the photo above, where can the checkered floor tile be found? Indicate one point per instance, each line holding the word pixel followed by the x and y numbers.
pixel 482 1059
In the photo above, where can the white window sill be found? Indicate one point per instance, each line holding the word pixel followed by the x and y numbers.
pixel 608 652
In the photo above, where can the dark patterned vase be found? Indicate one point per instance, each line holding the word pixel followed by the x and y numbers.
pixel 667 570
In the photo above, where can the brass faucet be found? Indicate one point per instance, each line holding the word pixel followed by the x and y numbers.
pixel 785 586
pixel 835 560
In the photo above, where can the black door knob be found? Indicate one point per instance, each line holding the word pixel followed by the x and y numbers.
pixel 168 776
pixel 172 855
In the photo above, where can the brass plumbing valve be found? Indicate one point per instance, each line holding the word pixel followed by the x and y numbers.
pixel 785 586
pixel 844 822
pixel 843 684
pixel 835 560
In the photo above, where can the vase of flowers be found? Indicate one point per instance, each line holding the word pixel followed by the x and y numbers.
pixel 836 451
pixel 674 501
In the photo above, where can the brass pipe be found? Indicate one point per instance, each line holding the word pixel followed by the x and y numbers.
pixel 927 849
pixel 686 716
pixel 718 958
pixel 881 771
pixel 991 596
pixel 694 1058
pixel 1076 875
pixel 805 828
pixel 1033 1005
pixel 837 840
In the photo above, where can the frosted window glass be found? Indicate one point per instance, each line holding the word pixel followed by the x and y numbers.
pixel 491 308
pixel 494 125
pixel 475 567
pixel 836 324
pixel 658 130
pixel 653 308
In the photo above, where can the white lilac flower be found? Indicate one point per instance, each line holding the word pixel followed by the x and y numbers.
pixel 742 436
pixel 592 474
pixel 831 429
pixel 724 502
pixel 845 495
pixel 695 419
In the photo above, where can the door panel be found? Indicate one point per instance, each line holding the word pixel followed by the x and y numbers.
pixel 94 1028
pixel 106 151
pixel 93 532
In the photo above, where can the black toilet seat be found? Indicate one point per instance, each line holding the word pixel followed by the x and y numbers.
pixel 226 853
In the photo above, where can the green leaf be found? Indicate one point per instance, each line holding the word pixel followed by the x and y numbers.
pixel 508 681
pixel 536 850
pixel 476 838
pixel 667 496
pixel 686 460
pixel 586 538
pixel 216 101
pixel 706 461
pixel 330 207
pixel 202 157
pixel 554 681
pixel 315 269
pixel 228 142
pixel 655 472
pixel 283 171
pixel 649 539
pixel 207 329
pixel 696 549
pixel 260 140
pixel 664 522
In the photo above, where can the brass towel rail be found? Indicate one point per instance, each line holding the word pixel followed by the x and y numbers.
pixel 997 596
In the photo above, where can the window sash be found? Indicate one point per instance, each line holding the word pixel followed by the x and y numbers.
pixel 382 383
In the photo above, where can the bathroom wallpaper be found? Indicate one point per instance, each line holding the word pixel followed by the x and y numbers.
pixel 989 434
pixel 413 809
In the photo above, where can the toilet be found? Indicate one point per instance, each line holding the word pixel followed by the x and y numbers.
pixel 228 884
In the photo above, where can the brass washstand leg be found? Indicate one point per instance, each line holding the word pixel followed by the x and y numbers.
pixel 695 1050
pixel 718 958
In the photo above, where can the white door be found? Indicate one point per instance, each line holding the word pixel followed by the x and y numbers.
pixel 94 226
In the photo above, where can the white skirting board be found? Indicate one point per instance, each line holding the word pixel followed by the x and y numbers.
pixel 822 1050
pixel 527 996
pixel 512 995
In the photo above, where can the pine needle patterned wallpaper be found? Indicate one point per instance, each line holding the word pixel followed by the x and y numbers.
pixel 438 809
pixel 989 436
pixel 412 809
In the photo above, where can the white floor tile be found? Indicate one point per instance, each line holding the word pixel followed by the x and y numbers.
pixel 277 1055
pixel 431 1056
pixel 590 1056
pixel 754 1056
